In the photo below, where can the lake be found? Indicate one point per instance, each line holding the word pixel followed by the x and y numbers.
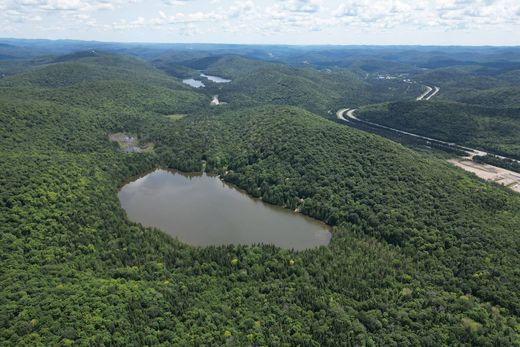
pixel 202 210
pixel 215 79
pixel 193 83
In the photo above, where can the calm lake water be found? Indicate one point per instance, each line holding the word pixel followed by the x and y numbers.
pixel 202 210
pixel 194 83
pixel 215 79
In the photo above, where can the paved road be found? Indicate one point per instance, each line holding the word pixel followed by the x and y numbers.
pixel 433 94
pixel 428 90
pixel 425 96
pixel 472 152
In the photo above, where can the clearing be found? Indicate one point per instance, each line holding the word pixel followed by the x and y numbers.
pixel 130 143
pixel 490 173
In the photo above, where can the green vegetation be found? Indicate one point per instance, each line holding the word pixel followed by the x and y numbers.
pixel 175 117
pixel 323 91
pixel 493 129
pixel 508 164
pixel 476 84
pixel 502 97
pixel 422 253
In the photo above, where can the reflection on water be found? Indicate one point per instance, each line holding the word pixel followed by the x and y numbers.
pixel 202 210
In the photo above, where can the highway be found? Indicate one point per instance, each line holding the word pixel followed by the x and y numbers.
pixel 426 95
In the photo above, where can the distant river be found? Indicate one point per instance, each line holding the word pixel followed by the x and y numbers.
pixel 202 210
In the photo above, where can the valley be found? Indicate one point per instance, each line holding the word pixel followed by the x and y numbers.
pixel 488 172
pixel 264 220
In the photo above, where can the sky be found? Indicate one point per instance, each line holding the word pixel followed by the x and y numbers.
pixel 426 22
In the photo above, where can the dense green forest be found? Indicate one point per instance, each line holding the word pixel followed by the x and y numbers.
pixel 476 84
pixel 255 83
pixel 421 254
pixel 509 164
pixel 493 129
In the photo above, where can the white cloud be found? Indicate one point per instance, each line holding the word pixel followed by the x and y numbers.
pixel 175 2
pixel 64 5
pixel 447 14
pixel 302 6
pixel 123 24
pixel 267 17
pixel 241 9
pixel 195 17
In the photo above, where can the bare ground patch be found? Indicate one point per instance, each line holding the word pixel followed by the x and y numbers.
pixel 490 173
pixel 130 143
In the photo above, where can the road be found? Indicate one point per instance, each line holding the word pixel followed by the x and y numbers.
pixel 472 152
pixel 428 90
pixel 425 96
pixel 433 94
pixel 488 172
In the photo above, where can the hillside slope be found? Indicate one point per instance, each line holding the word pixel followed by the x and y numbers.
pixel 255 82
pixel 493 129
pixel 103 81
pixel 422 253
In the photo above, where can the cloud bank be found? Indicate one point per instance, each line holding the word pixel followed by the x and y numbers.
pixel 177 20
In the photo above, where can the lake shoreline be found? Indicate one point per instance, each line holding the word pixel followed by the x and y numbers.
pixel 221 178
pixel 158 202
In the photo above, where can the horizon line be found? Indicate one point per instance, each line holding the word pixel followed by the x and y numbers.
pixel 257 44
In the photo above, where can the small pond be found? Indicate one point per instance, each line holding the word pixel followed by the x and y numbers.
pixel 193 83
pixel 215 79
pixel 202 210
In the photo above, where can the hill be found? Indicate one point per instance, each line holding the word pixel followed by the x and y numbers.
pixel 255 82
pixel 103 81
pixel 476 84
pixel 493 129
pixel 422 253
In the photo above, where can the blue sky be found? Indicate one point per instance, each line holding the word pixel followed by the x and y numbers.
pixel 443 22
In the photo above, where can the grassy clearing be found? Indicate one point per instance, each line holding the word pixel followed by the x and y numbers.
pixel 176 117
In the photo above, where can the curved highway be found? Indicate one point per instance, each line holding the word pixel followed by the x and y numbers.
pixel 433 94
pixel 426 95
pixel 423 95
pixel 472 152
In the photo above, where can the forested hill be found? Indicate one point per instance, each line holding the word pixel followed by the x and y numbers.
pixel 256 82
pixel 421 254
pixel 489 128
pixel 103 81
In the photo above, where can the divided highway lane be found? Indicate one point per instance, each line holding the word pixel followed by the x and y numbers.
pixel 433 94
pixel 426 95
pixel 507 178
pixel 423 95
pixel 472 152
pixel 349 113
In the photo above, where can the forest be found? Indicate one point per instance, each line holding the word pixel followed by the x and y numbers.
pixel 494 129
pixel 422 253
pixel 508 164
